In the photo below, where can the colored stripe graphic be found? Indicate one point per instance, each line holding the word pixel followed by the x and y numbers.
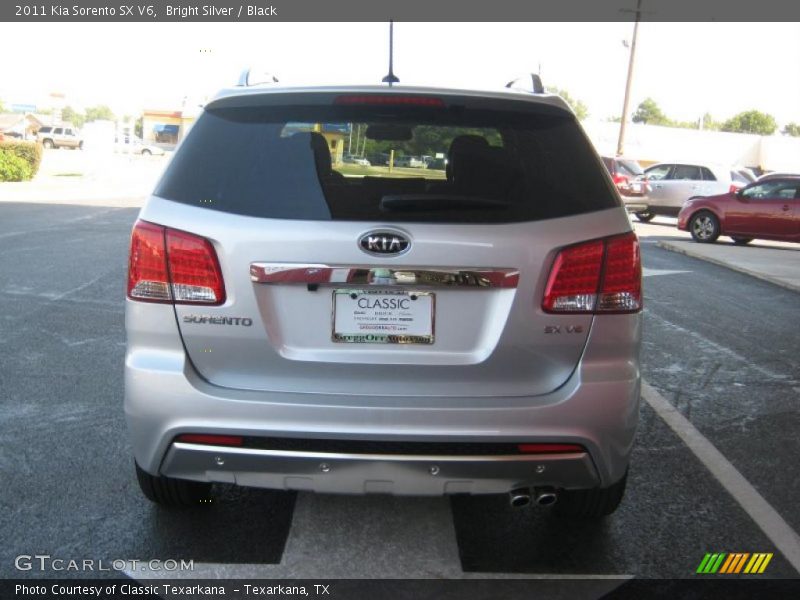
pixel 733 563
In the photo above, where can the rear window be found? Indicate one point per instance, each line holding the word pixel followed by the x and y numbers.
pixel 630 167
pixel 387 163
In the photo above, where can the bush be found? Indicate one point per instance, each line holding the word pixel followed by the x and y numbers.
pixel 11 153
pixel 13 167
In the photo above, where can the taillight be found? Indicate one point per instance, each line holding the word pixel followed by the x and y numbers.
pixel 733 188
pixel 166 265
pixel 211 439
pixel 620 180
pixel 194 269
pixel 389 100
pixel 602 276
pixel 148 278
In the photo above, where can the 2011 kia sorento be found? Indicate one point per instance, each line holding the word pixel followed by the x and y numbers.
pixel 300 323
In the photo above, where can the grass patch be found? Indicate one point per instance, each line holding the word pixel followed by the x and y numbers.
pixel 350 170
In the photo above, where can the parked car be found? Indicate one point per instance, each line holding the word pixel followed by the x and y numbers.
pixel 136 145
pixel 397 334
pixel 412 162
pixel 670 185
pixel 59 137
pixel 627 175
pixel 767 209
pixel 356 160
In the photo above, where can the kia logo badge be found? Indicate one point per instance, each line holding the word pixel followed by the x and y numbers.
pixel 381 243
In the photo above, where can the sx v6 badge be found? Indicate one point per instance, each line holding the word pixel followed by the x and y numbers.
pixel 563 329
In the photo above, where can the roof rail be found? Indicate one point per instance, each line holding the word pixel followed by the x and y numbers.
pixel 252 76
pixel 519 83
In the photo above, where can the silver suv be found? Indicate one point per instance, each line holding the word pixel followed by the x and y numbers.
pixel 59 137
pixel 473 330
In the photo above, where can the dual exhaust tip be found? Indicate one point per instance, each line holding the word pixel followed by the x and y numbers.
pixel 545 496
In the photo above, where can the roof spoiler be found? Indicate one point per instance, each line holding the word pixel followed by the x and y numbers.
pixel 528 83
pixel 252 76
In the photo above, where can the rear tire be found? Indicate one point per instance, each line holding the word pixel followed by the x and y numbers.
pixel 704 227
pixel 590 504
pixel 173 493
pixel 645 217
pixel 741 241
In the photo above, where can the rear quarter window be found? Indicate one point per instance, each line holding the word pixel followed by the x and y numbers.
pixel 296 162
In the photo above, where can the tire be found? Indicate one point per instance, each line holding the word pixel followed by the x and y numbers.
pixel 47 144
pixel 146 152
pixel 590 504
pixel 704 227
pixel 741 241
pixel 645 217
pixel 80 146
pixel 172 493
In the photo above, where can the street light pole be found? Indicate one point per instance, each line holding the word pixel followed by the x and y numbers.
pixel 625 104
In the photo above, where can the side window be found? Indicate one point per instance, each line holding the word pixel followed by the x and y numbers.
pixel 58 131
pixel 68 131
pixel 769 189
pixel 787 191
pixel 686 172
pixel 709 176
pixel 659 172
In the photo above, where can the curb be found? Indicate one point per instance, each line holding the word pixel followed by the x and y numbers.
pixel 700 256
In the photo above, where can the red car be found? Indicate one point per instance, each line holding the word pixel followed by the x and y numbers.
pixel 765 209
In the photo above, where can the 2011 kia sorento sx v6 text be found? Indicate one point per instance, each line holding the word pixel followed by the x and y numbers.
pixel 297 322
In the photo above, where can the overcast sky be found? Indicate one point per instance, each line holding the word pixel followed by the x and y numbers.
pixel 688 68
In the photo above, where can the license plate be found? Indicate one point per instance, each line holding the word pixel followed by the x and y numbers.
pixel 383 316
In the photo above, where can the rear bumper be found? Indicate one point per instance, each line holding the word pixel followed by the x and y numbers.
pixel 373 473
pixel 596 408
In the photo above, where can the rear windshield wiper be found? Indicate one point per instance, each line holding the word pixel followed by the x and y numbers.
pixel 425 202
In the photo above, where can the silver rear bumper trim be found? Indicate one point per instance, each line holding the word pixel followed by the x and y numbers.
pixel 320 274
pixel 377 473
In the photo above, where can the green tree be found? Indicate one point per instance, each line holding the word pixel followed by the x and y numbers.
pixel 649 113
pixel 100 112
pixel 792 129
pixel 578 107
pixel 751 121
pixel 70 115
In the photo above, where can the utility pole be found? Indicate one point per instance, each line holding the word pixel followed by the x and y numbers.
pixel 625 104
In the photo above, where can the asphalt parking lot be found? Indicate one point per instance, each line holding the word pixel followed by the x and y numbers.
pixel 720 350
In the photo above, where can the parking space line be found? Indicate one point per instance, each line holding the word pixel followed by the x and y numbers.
pixel 767 518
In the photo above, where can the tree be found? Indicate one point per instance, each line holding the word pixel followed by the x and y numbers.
pixel 649 113
pixel 578 107
pixel 751 121
pixel 99 113
pixel 70 115
pixel 792 129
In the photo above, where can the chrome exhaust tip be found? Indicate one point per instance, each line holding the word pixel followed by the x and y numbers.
pixel 545 496
pixel 519 498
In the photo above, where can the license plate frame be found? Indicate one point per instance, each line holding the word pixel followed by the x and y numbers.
pixel 373 328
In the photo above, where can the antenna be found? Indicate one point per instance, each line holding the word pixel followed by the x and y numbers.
pixel 391 77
